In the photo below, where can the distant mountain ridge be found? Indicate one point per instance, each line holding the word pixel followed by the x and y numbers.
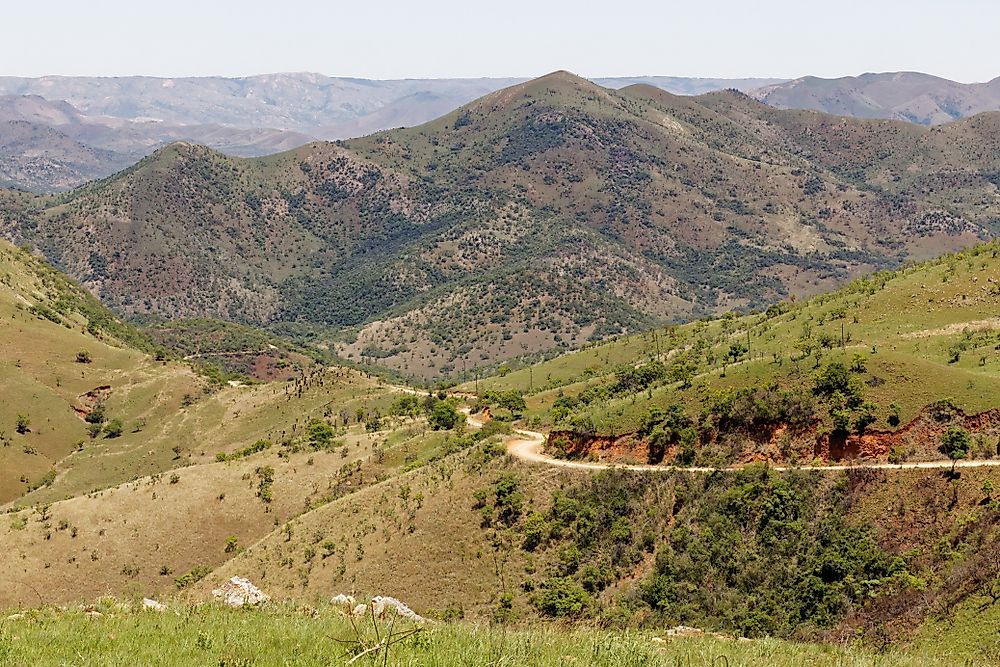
pixel 322 106
pixel 59 132
pixel 910 96
pixel 51 145
pixel 95 126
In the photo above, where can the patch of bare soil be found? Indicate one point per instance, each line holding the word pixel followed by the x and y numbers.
pixel 91 399
pixel 778 443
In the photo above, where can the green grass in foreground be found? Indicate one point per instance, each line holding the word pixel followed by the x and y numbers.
pixel 286 635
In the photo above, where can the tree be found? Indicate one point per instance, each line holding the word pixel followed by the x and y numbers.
pixel 866 417
pixel 320 433
pixel 956 443
pixel 832 379
pixel 406 405
pixel 443 416
pixel 893 418
pixel 83 357
pixel 510 400
pixel 562 597
pixel 736 350
pixel 113 428
pixel 23 424
pixel 95 416
pixel 859 363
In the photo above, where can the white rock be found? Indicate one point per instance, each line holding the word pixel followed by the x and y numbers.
pixel 345 601
pixel 239 592
pixel 383 605
pixel 152 605
pixel 683 631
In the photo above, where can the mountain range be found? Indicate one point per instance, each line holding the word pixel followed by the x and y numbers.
pixel 911 96
pixel 536 218
pixel 59 132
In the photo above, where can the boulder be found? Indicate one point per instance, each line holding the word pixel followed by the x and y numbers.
pixel 152 605
pixel 239 592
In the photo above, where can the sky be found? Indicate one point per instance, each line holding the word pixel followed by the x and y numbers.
pixel 469 38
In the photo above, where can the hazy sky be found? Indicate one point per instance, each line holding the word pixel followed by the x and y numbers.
pixel 444 38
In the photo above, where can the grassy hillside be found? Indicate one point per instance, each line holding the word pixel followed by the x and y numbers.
pixel 121 472
pixel 334 482
pixel 537 218
pixel 57 345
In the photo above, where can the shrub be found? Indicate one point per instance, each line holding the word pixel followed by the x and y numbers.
pixel 535 531
pixel 83 357
pixel 23 424
pixel 956 443
pixel 96 416
pixel 443 416
pixel 833 378
pixel 508 499
pixel 265 478
pixel 561 597
pixel 192 577
pixel 320 433
pixel 113 428
pixel 893 418
pixel 770 538
pixel 510 400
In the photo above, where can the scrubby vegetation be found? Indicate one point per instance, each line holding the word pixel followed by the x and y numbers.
pixel 755 553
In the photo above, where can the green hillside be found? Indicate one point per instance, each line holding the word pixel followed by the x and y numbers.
pixel 907 340
pixel 116 466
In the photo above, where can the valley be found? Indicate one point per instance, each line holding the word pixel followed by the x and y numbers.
pixel 529 222
pixel 637 370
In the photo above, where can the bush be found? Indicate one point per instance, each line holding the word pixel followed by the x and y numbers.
pixel 956 443
pixel 770 538
pixel 443 416
pixel 83 357
pixel 561 597
pixel 113 428
pixel 192 577
pixel 510 400
pixel 535 531
pixel 320 433
pixel 508 499
pixel 833 378
pixel 95 416
pixel 894 417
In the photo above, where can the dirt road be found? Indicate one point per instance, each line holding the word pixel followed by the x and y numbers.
pixel 527 446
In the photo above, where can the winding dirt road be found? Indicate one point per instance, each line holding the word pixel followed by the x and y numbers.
pixel 527 446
